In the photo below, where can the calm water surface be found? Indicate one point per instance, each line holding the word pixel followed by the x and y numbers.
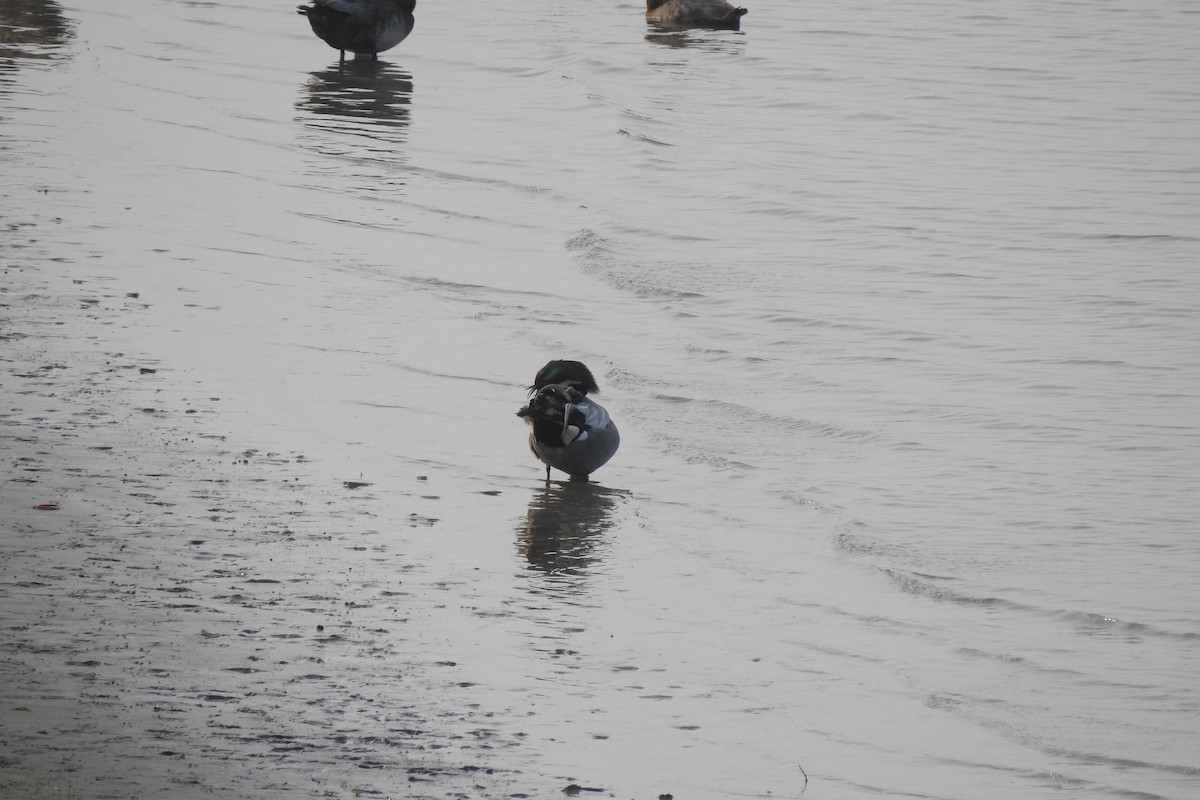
pixel 898 307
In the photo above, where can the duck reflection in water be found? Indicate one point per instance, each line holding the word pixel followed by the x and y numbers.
pixel 374 91
pixel 356 120
pixel 704 40
pixel 565 526
pixel 34 29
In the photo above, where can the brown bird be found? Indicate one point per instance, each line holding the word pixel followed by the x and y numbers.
pixel 694 14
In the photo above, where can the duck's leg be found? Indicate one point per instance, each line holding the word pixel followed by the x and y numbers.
pixel 547 473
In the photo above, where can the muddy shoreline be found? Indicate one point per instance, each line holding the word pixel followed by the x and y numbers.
pixel 183 612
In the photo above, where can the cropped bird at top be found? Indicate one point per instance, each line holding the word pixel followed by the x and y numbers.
pixel 363 27
pixel 694 14
pixel 567 429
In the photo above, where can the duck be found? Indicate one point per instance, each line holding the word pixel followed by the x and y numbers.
pixel 694 14
pixel 364 27
pixel 568 430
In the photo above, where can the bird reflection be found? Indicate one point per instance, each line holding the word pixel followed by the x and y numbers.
pixel 714 42
pixel 355 115
pixel 31 29
pixel 564 527
pixel 374 93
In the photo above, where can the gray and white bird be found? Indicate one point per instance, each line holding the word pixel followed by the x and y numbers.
pixel 568 430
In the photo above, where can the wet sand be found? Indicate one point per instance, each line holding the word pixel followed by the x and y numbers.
pixel 182 610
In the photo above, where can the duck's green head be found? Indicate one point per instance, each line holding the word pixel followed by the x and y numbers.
pixel 572 373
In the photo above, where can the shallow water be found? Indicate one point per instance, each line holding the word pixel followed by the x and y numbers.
pixel 896 306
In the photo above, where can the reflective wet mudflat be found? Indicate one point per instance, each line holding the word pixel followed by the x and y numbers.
pixel 896 308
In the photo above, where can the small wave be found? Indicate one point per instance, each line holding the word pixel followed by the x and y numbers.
pixel 597 256
pixel 1084 622
pixel 918 584
pixel 643 138
pixel 1140 237
pixel 962 707
pixel 737 418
